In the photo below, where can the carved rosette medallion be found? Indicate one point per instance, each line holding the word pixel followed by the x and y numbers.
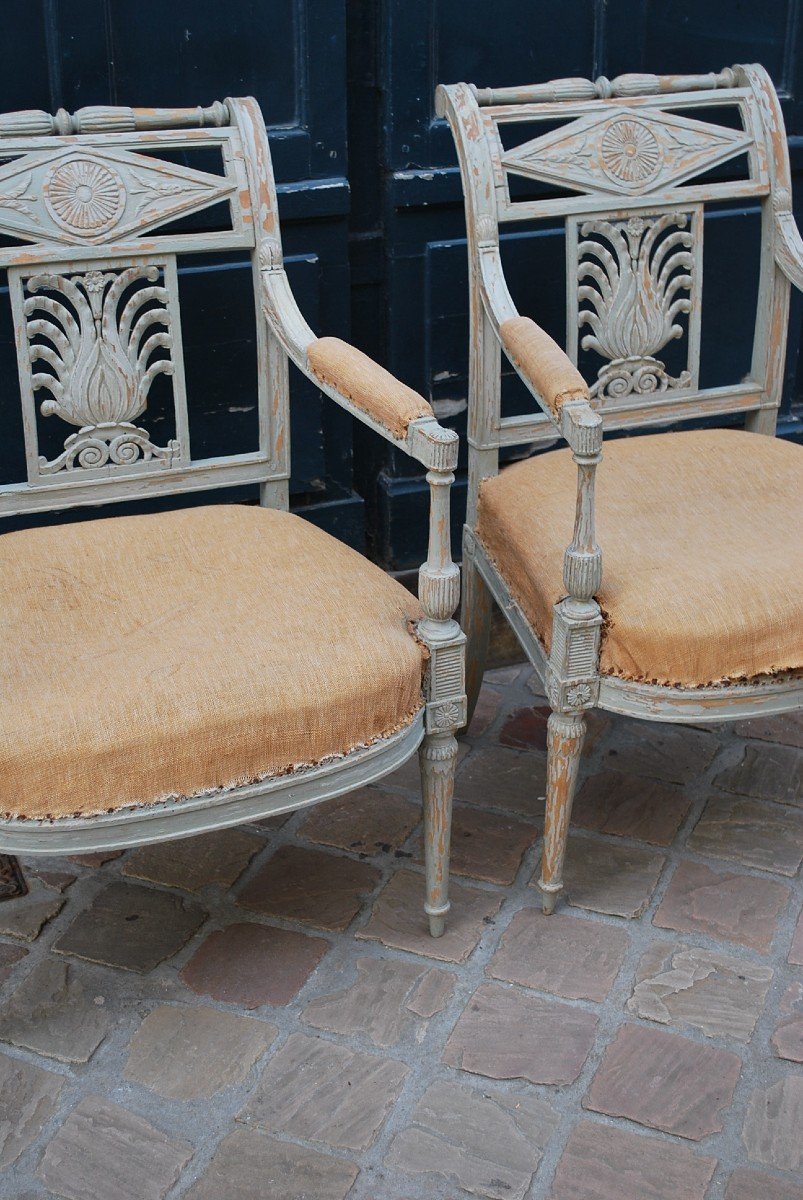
pixel 84 196
pixel 629 152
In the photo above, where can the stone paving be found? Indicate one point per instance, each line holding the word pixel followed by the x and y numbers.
pixel 259 1014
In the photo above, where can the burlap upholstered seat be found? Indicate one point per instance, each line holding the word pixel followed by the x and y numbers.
pixel 702 555
pixel 152 656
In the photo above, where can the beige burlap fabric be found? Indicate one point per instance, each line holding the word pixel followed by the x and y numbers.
pixel 702 555
pixel 152 656
pixel 551 373
pixel 370 387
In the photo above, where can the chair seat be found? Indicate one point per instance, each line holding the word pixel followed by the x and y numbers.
pixel 148 657
pixel 701 550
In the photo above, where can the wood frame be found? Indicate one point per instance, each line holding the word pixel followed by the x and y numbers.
pixel 71 183
pixel 601 121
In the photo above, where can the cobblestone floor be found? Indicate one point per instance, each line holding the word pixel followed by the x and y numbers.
pixel 259 1015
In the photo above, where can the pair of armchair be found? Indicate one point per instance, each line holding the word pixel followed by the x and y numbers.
pixel 180 672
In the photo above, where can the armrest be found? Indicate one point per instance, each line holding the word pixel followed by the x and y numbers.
pixel 367 385
pixel 789 248
pixel 543 364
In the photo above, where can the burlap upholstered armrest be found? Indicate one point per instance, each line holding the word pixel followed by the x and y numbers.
pixel 368 386
pixel 540 359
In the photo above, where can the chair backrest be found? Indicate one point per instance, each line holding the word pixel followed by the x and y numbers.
pixel 94 212
pixel 638 160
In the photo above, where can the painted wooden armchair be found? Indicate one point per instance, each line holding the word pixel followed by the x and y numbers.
pixel 172 673
pixel 692 610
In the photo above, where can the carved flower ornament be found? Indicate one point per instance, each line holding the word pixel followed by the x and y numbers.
pixel 630 152
pixel 84 196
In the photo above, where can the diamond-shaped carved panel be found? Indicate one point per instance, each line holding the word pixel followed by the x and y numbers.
pixel 630 151
pixel 88 196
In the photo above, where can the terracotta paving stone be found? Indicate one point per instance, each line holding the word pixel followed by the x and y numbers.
pixel 707 990
pixel 191 1053
pixel 28 1099
pixel 247 1165
pixel 796 951
pixel 398 918
pixel 568 956
pixel 194 863
pixel 526 728
pixel 59 880
pixel 251 965
pixel 485 710
pixel 132 927
pixel 766 772
pixel 319 889
pixel 9 957
pixel 26 917
pixel 787 1040
pixel 609 878
pixel 746 1184
pixel 630 806
pixel 766 836
pixel 786 728
pixel 674 753
pixel 506 779
pixel 736 908
pixel 388 1000
pixel 602 1162
pixel 502 676
pixel 52 1013
pixel 96 859
pixel 507 1034
pixel 686 1091
pixel 103 1150
pixel 487 845
pixel 368 821
pixel 487 1142
pixel 323 1092
pixel 773 1124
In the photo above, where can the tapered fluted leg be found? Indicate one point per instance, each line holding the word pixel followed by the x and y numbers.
pixel 438 758
pixel 565 736
pixel 12 880
pixel 475 619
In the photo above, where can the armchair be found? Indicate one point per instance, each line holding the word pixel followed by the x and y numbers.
pixel 173 673
pixel 667 582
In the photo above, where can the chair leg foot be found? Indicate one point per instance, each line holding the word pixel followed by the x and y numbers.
pixel 12 880
pixel 438 758
pixel 565 734
pixel 475 617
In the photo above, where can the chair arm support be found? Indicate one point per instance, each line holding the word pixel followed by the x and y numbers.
pixel 789 248
pixel 543 364
pixel 355 382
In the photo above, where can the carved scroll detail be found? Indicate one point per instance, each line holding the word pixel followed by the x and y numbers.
pixel 101 362
pixel 635 279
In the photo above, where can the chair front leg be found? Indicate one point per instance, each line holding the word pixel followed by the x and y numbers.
pixel 565 736
pixel 438 758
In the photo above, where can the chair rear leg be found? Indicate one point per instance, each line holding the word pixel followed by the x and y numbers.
pixel 565 735
pixel 438 758
pixel 475 619
pixel 12 880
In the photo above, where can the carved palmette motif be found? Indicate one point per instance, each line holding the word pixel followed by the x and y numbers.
pixel 634 280
pixel 99 335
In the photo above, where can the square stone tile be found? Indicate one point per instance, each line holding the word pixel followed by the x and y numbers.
pixel 398 918
pixel 248 1165
pixel 766 772
pixel 26 917
pixel 796 951
pixel 630 806
pixel 368 821
pixel 487 1142
pixel 103 1150
pixel 29 1097
pixel 485 710
pixel 191 1053
pixel 746 1184
pixel 526 728
pixel 603 1162
pixel 250 965
pixel 726 906
pixel 609 878
pixel 772 1124
pixel 766 836
pixel 674 753
pixel 686 1090
pixel 487 845
pixel 53 1013
pixel 9 957
pixel 325 890
pixel 493 777
pixel 787 1039
pixel 323 1092
pixel 389 1000
pixel 701 989
pixel 194 863
pixel 131 927
pixel 568 956
pixel 786 728
pixel 507 1034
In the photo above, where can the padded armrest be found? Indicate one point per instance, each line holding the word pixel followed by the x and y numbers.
pixel 541 360
pixel 368 386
